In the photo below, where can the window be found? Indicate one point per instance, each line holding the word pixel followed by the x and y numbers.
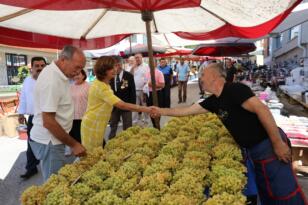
pixel 294 32
pixel 13 62
pixel 277 41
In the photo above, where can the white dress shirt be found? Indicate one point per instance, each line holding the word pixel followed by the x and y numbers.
pixel 139 76
pixel 52 94
pixel 26 97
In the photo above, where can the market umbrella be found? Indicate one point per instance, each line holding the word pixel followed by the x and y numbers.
pixel 224 49
pixel 175 52
pixel 140 48
pixel 86 23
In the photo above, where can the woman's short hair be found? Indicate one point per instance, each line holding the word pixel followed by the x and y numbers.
pixel 84 74
pixel 102 65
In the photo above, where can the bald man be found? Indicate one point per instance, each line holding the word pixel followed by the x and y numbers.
pixel 54 111
pixel 253 127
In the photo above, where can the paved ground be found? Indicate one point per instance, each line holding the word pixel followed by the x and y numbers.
pixel 12 160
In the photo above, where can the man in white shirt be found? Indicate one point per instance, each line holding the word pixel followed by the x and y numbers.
pixel 54 111
pixel 26 108
pixel 139 76
pixel 131 63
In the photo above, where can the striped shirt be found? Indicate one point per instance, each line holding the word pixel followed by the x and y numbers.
pixel 80 99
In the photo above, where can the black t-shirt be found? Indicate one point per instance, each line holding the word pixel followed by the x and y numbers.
pixel 230 74
pixel 244 126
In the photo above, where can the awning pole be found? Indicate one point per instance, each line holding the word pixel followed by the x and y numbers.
pixel 147 17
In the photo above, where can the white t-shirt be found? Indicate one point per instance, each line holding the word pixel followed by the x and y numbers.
pixel 139 76
pixel 52 94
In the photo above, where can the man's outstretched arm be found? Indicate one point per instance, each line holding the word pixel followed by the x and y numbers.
pixel 178 111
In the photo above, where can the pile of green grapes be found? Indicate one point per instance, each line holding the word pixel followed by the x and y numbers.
pixel 146 166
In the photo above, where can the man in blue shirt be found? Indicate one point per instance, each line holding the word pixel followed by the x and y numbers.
pixel 182 70
pixel 168 75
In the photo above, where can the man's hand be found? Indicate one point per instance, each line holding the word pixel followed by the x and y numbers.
pixel 21 119
pixel 282 151
pixel 79 150
pixel 155 112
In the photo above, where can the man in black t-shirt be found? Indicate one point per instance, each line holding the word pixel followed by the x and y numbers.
pixel 231 71
pixel 253 127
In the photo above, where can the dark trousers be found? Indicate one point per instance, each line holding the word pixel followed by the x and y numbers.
pixel 150 102
pixel 182 91
pixel 116 114
pixel 75 131
pixel 165 95
pixel 32 162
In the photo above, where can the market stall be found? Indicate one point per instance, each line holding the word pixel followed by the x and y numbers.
pixel 295 127
pixel 181 164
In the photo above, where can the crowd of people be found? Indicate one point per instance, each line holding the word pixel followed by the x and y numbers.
pixel 69 111
pixel 76 114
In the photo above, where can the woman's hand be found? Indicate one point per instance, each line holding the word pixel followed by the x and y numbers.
pixel 155 112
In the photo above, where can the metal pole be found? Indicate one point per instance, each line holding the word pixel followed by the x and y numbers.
pixel 130 45
pixel 147 17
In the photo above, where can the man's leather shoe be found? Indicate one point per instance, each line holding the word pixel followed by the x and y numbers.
pixel 29 174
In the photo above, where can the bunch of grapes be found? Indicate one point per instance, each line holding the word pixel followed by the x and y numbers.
pixel 60 196
pixel 230 164
pixel 142 160
pixel 127 187
pixel 188 185
pixel 230 184
pixel 227 150
pixel 116 157
pixel 81 192
pixel 142 198
pixel 152 184
pixel 130 169
pixel 175 149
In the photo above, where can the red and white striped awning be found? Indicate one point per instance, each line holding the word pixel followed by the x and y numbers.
pixel 93 24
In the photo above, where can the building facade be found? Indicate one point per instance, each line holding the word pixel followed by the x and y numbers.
pixel 287 45
pixel 11 58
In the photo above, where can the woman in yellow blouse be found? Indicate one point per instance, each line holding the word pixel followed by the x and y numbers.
pixel 101 100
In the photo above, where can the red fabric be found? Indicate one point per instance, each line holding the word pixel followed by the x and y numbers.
pixel 141 5
pixel 176 53
pixel 28 39
pixel 229 30
pixel 224 49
